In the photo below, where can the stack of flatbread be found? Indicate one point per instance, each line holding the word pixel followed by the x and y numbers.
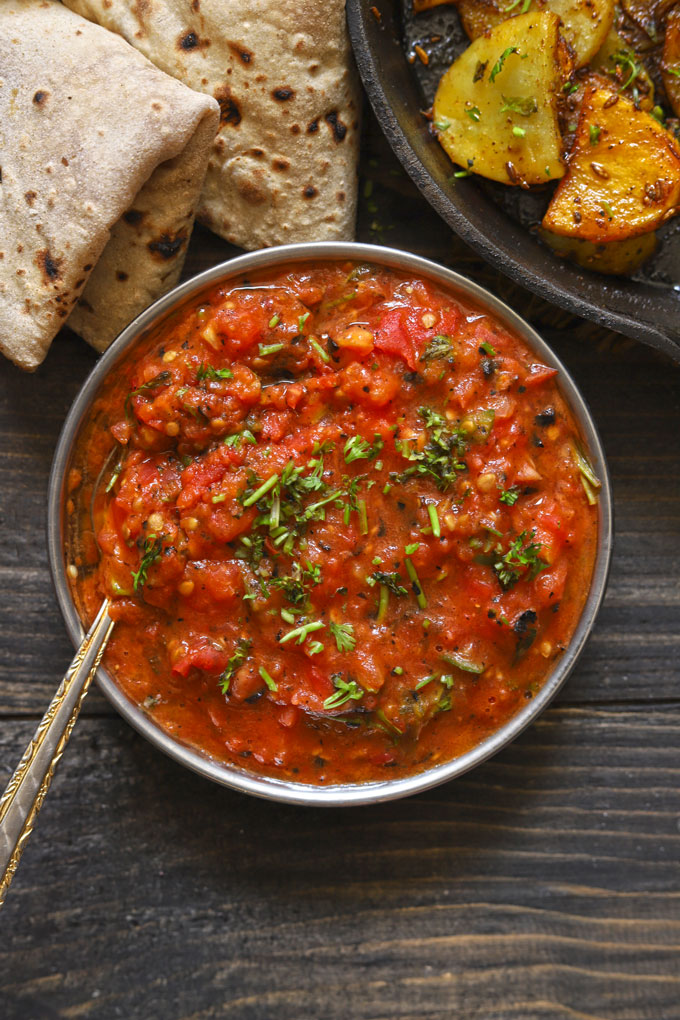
pixel 102 157
pixel 283 165
pixel 104 149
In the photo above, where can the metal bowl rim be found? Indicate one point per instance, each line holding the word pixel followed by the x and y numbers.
pixel 278 789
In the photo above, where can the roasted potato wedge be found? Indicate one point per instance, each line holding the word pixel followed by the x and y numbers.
pixel 616 258
pixel 479 16
pixel 495 111
pixel 585 23
pixel 624 173
pixel 670 63
pixel 616 60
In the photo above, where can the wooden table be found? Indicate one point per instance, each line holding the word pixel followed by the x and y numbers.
pixel 542 886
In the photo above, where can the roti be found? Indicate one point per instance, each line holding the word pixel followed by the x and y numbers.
pixel 102 158
pixel 283 164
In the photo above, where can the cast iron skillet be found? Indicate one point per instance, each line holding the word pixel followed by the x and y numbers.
pixel 643 308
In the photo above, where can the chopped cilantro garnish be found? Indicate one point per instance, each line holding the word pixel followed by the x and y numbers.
pixel 487 349
pixel 153 547
pixel 243 646
pixel 357 448
pixel 393 581
pixel 415 583
pixel 274 321
pixel 209 372
pixel 518 132
pixel 270 682
pixel 498 66
pixel 524 105
pixel 462 662
pixel 265 349
pixel 301 632
pixel 474 113
pixel 441 457
pixel 158 380
pixel 510 496
pixel 594 132
pixel 440 346
pixel 344 636
pixel 324 355
pixel 520 561
pixel 345 690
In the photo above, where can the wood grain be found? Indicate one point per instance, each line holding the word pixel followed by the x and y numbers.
pixel 546 879
pixel 542 886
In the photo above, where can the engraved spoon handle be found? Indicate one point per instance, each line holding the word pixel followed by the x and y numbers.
pixel 26 789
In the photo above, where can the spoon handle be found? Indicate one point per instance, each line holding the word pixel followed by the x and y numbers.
pixel 26 789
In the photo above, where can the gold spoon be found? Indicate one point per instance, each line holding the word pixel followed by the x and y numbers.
pixel 26 790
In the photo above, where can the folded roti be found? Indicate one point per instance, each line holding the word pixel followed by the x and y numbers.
pixel 283 166
pixel 102 157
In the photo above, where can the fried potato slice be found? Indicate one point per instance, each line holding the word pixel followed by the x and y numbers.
pixel 495 110
pixel 670 63
pixel 585 23
pixel 624 173
pixel 616 59
pixel 616 258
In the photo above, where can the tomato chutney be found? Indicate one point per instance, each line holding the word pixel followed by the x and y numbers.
pixel 345 520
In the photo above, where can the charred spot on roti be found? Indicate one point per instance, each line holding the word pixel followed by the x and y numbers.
pixel 249 190
pixel 48 265
pixel 230 111
pixel 257 153
pixel 167 247
pixel 295 129
pixel 188 41
pixel 120 275
pixel 310 191
pixel 64 161
pixel 40 97
pixel 133 216
pixel 78 284
pixel 283 93
pixel 20 248
pixel 196 5
pixel 338 129
pixel 280 164
pixel 341 196
pixel 244 55
pixel 87 268
pixel 312 127
pixel 30 197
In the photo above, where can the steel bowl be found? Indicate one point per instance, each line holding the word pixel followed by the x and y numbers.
pixel 232 775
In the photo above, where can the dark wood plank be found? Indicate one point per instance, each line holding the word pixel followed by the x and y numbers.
pixel 542 886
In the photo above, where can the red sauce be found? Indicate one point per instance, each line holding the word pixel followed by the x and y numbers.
pixel 344 529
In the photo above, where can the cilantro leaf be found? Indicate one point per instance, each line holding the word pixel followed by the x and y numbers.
pixel 344 636
pixel 153 548
pixel 498 66
pixel 243 646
